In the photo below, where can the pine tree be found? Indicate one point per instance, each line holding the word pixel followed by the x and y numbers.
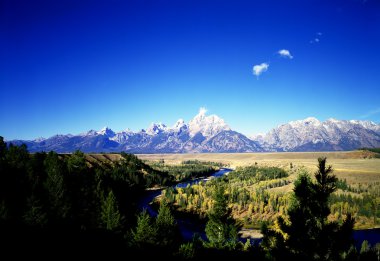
pixel 247 245
pixel 110 215
pixel 145 232
pixel 77 163
pixel 167 229
pixel 35 214
pixel 187 250
pixel 307 234
pixel 56 186
pixel 14 185
pixel 81 181
pixel 365 247
pixel 221 229
pixel 3 148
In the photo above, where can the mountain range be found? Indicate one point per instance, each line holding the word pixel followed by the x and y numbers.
pixel 212 134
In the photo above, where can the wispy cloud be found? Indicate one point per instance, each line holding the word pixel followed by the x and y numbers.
pixel 370 113
pixel 317 38
pixel 285 53
pixel 260 68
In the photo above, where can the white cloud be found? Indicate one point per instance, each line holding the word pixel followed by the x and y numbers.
pixel 285 53
pixel 317 38
pixel 260 68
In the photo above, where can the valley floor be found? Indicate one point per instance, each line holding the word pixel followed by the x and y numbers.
pixel 354 166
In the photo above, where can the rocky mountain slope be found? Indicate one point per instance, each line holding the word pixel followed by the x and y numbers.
pixel 311 134
pixel 211 134
pixel 202 134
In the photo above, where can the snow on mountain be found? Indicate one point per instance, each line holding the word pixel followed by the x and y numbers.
pixel 106 132
pixel 311 134
pixel 156 128
pixel 179 125
pixel 123 136
pixel 206 133
pixel 88 133
pixel 202 134
pixel 207 125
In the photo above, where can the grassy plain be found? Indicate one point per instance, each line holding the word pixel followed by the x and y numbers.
pixel 360 170
pixel 354 166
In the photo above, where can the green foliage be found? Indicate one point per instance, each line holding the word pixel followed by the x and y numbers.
pixel 187 250
pixel 247 245
pixel 77 163
pixel 365 247
pixel 137 173
pixel 376 150
pixel 55 185
pixel 110 215
pixel 13 180
pixel 369 253
pixel 186 170
pixel 342 184
pixel 221 229
pixel 145 232
pixel 3 147
pixel 35 214
pixel 198 162
pixel 306 234
pixel 161 232
pixel 167 230
pixel 257 203
pixel 49 192
pixel 257 174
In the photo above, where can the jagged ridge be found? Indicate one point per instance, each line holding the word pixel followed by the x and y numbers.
pixel 211 134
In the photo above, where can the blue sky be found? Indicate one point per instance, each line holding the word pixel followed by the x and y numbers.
pixel 67 67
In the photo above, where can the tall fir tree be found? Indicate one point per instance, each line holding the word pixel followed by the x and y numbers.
pixel 306 234
pixel 56 187
pixel 221 229
pixel 167 229
pixel 145 232
pixel 110 215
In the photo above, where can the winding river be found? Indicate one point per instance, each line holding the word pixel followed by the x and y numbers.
pixel 189 228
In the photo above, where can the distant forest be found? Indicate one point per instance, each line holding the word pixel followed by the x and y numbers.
pixel 71 207
pixel 376 150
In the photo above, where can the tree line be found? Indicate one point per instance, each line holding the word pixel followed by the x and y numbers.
pixel 71 206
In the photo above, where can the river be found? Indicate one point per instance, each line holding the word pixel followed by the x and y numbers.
pixel 189 228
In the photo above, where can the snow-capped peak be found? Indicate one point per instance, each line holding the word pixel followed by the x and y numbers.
pixel 128 130
pixel 310 135
pixel 311 120
pixel 256 136
pixel 156 128
pixel 332 120
pixel 89 133
pixel 178 125
pixel 369 125
pixel 306 122
pixel 107 132
pixel 207 125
